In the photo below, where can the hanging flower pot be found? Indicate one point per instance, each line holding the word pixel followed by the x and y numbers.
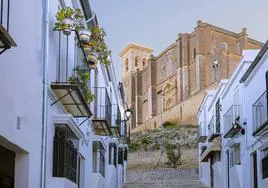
pixel 84 36
pixel 67 26
pixel 92 60
pixel 65 20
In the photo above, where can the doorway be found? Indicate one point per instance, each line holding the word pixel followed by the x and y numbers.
pixel 211 171
pixel 7 168
pixel 228 168
pixel 255 170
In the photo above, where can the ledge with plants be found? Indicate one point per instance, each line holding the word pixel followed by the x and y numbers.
pixel 91 41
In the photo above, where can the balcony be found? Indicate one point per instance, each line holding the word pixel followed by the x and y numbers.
pixel 260 118
pixel 213 129
pixel 102 117
pixel 210 148
pixel 69 87
pixel 6 40
pixel 202 132
pixel 232 124
pixel 116 120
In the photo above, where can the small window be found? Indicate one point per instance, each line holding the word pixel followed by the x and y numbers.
pixel 194 53
pixel 235 155
pixel 65 153
pixel 110 153
pixel 125 154
pixel 115 155
pixel 224 46
pixel 126 64
pixel 98 158
pixel 120 156
pixel 265 163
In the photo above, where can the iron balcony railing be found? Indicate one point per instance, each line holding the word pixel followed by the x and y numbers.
pixel 116 116
pixel 259 110
pixel 102 105
pixel 211 126
pixel 4 13
pixel 66 65
pixel 231 117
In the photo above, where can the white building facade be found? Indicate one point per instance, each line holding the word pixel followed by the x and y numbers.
pixel 241 148
pixel 50 136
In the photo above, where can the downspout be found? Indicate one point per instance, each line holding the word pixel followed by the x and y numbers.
pixel 45 52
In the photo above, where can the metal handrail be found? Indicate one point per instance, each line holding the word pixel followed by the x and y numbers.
pixel 230 117
pixel 259 110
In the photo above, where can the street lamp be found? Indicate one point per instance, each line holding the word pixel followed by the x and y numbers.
pixel 128 113
pixel 215 66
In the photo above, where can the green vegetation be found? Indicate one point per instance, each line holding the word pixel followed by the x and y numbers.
pixel 145 142
pixel 169 124
pixel 174 154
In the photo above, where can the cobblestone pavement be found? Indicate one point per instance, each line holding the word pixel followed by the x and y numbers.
pixel 164 178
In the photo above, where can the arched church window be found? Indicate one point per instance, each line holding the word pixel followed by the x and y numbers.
pixel 136 61
pixel 224 46
pixel 194 54
pixel 126 64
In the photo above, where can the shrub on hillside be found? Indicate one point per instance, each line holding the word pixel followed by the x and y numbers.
pixel 173 153
pixel 169 124
pixel 156 146
pixel 134 146
pixel 145 142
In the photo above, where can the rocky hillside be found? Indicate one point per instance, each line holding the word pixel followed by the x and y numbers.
pixel 152 140
pixel 148 151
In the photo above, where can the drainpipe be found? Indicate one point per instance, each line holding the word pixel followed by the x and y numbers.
pixel 45 52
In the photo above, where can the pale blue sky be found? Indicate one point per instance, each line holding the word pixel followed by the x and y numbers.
pixel 156 23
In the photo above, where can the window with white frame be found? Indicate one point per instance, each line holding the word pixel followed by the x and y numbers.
pixel 98 158
pixel 235 155
pixel 265 163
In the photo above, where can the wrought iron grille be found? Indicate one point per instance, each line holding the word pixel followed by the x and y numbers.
pixel 67 63
pixel 259 110
pixel 65 153
pixel 102 104
pixel 230 117
pixel 116 116
pixel 120 156
pixel 211 126
pixel 125 154
pixel 115 155
pixel 98 158
pixel 4 13
pixel 218 117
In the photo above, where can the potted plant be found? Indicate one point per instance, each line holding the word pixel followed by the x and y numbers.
pixel 65 20
pixel 92 60
pixel 82 79
pixel 84 36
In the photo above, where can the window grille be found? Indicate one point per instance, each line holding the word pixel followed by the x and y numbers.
pixel 98 158
pixel 235 155
pixel 125 154
pixel 265 164
pixel 120 156
pixel 65 153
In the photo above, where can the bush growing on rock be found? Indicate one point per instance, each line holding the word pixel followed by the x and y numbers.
pixel 169 124
pixel 145 142
pixel 173 153
pixel 134 146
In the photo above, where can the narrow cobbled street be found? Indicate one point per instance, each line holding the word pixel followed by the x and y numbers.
pixel 164 178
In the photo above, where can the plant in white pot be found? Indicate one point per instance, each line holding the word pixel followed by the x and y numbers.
pixel 65 21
